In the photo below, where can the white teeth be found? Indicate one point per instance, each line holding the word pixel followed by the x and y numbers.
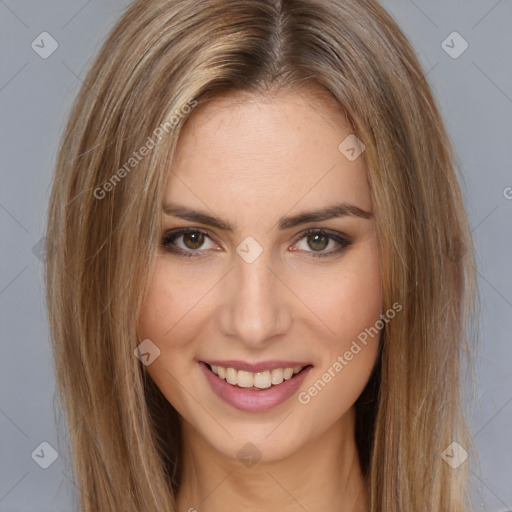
pixel 261 380
pixel 245 379
pixel 277 376
pixel 231 376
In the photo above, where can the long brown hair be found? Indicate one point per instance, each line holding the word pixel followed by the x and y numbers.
pixel 162 61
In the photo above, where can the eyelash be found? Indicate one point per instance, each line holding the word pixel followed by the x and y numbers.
pixel 171 236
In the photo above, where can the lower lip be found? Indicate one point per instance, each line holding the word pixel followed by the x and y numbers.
pixel 252 400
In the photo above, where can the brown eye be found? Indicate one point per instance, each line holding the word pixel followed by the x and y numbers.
pixel 193 240
pixel 318 242
pixel 188 242
pixel 315 241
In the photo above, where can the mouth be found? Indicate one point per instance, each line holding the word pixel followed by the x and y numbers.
pixel 255 387
pixel 259 380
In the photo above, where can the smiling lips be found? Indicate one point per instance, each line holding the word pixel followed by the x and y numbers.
pixel 255 386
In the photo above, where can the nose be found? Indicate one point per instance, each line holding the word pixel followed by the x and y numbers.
pixel 256 306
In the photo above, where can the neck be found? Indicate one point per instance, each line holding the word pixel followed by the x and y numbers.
pixel 324 474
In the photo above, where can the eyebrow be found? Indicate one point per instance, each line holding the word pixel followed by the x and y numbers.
pixel 329 212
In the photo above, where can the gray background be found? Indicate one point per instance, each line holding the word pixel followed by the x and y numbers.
pixel 474 92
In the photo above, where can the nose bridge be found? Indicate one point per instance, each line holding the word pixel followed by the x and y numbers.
pixel 257 307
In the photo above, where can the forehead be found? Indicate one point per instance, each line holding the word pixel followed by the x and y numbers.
pixel 244 153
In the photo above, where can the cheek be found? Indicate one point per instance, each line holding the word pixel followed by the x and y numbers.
pixel 346 298
pixel 170 299
pixel 163 320
pixel 359 301
pixel 350 306
pixel 349 354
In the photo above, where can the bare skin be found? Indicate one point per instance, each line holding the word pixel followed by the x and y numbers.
pixel 251 160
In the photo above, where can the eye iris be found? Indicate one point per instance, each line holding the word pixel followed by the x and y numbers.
pixel 197 239
pixel 316 240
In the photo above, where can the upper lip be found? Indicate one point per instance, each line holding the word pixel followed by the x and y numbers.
pixel 255 367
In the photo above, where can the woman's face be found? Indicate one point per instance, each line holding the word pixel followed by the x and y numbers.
pixel 246 288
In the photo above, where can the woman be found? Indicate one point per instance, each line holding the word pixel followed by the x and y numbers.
pixel 265 276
